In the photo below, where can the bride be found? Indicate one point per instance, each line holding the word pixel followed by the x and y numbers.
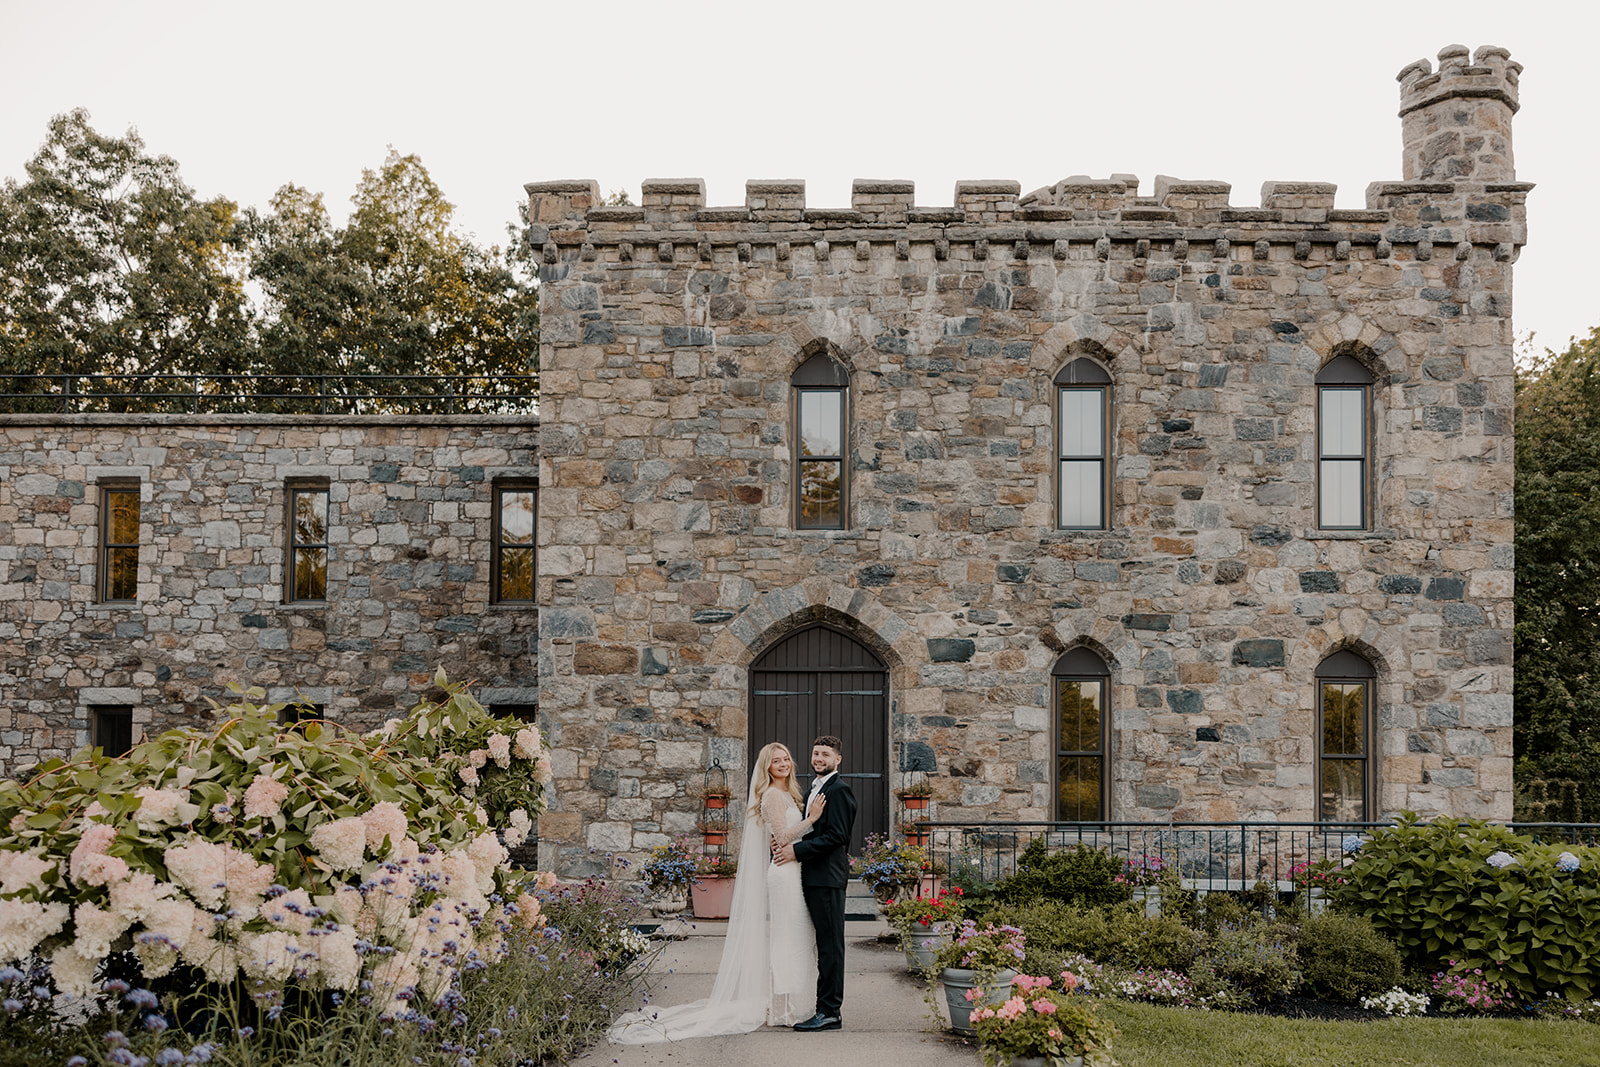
pixel 768 972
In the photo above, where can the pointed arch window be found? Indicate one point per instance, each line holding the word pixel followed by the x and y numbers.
pixel 1344 738
pixel 1081 683
pixel 1344 403
pixel 1083 403
pixel 821 387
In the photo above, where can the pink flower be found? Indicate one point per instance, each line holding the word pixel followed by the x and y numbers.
pixel 500 749
pixel 1069 981
pixel 1011 1009
pixel 1053 1032
pixel 1044 1007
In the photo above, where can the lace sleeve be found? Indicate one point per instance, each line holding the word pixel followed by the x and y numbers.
pixel 775 808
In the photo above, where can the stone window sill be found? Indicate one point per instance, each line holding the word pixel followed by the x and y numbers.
pixel 514 605
pixel 1348 535
pixel 824 535
pixel 303 605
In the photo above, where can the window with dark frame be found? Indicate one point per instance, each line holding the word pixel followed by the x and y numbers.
pixel 1081 683
pixel 525 713
pixel 111 728
pixel 1083 394
pixel 516 515
pixel 1345 786
pixel 119 544
pixel 293 714
pixel 821 416
pixel 1344 399
pixel 308 542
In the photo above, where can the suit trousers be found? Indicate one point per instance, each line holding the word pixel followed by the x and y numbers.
pixel 826 905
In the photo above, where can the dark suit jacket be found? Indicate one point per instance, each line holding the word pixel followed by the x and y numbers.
pixel 824 852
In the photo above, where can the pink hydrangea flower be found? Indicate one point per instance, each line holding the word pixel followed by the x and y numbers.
pixel 264 798
pixel 500 749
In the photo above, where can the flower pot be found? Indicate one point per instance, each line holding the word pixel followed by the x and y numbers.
pixel 712 897
pixel 915 803
pixel 923 944
pixel 957 980
pixel 1150 897
pixel 670 905
pixel 917 840
pixel 930 885
pixel 715 837
pixel 716 802
pixel 1316 901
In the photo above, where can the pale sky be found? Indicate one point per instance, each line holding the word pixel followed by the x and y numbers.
pixel 248 97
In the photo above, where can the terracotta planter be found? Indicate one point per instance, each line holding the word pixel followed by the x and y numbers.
pixel 716 802
pixel 930 885
pixel 917 840
pixel 714 837
pixel 915 803
pixel 957 980
pixel 712 897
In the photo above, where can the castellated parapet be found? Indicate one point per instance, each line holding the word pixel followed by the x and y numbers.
pixel 671 561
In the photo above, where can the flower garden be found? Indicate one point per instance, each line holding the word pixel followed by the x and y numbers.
pixel 1461 920
pixel 266 894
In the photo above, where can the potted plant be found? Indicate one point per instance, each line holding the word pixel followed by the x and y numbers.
pixel 1145 874
pixel 916 797
pixel 1043 1027
pixel 915 834
pixel 1314 878
pixel 925 925
pixel 975 969
pixel 711 892
pixel 887 866
pixel 714 830
pixel 712 795
pixel 668 873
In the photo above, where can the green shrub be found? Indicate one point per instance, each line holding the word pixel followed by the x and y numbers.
pixel 1123 935
pixel 1257 961
pixel 1077 875
pixel 1486 897
pixel 1343 957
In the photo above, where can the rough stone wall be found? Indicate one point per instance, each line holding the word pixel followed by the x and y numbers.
pixel 669 558
pixel 408 573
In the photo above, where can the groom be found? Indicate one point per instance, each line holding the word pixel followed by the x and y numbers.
pixel 824 869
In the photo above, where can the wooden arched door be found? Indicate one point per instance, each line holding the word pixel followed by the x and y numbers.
pixel 823 681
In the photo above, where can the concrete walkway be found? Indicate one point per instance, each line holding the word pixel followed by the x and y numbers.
pixel 886 1019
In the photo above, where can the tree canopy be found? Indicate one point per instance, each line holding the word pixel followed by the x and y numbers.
pixel 110 265
pixel 1558 566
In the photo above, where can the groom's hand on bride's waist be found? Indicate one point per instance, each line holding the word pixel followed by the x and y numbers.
pixel 782 854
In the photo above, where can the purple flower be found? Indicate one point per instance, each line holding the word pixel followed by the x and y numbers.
pixel 1502 860
pixel 1353 843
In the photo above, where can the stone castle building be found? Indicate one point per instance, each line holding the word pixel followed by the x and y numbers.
pixel 1079 504
pixel 146 561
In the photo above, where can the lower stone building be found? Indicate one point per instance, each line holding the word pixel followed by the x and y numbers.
pixel 1085 504
pixel 146 561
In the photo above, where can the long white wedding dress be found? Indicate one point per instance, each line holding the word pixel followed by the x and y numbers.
pixel 768 973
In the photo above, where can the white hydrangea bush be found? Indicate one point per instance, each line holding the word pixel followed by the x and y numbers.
pixel 280 854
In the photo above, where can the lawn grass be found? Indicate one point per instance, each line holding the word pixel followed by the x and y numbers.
pixel 1153 1036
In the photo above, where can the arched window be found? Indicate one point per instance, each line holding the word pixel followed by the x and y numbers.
pixel 1344 398
pixel 1083 401
pixel 821 389
pixel 1345 787
pixel 1081 683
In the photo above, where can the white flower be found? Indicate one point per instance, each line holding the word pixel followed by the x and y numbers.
pixel 73 973
pixel 1502 860
pixel 267 956
pixel 134 897
pixel 86 864
pixel 96 928
pixel 500 749
pixel 265 797
pixel 384 820
pixel 341 843
pixel 478 757
pixel 158 808
pixel 341 963
pixel 544 770
pixel 527 745
pixel 487 854
pixel 469 774
pixel 1567 862
pixel 23 870
pixel 288 911
pixel 515 836
pixel 25 923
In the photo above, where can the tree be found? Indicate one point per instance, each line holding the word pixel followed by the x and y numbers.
pixel 395 292
pixel 1557 639
pixel 110 265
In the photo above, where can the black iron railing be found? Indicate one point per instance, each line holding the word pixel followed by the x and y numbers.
pixel 1208 856
pixel 302 394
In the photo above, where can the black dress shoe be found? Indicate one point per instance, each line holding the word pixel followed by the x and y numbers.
pixel 817 1022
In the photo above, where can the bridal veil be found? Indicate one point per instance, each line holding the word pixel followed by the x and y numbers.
pixel 739 999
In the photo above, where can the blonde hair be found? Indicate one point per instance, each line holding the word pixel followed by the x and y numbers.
pixel 763 778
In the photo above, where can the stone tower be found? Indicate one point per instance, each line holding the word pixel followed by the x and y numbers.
pixel 1457 122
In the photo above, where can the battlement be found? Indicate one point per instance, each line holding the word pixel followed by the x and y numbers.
pixel 1456 122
